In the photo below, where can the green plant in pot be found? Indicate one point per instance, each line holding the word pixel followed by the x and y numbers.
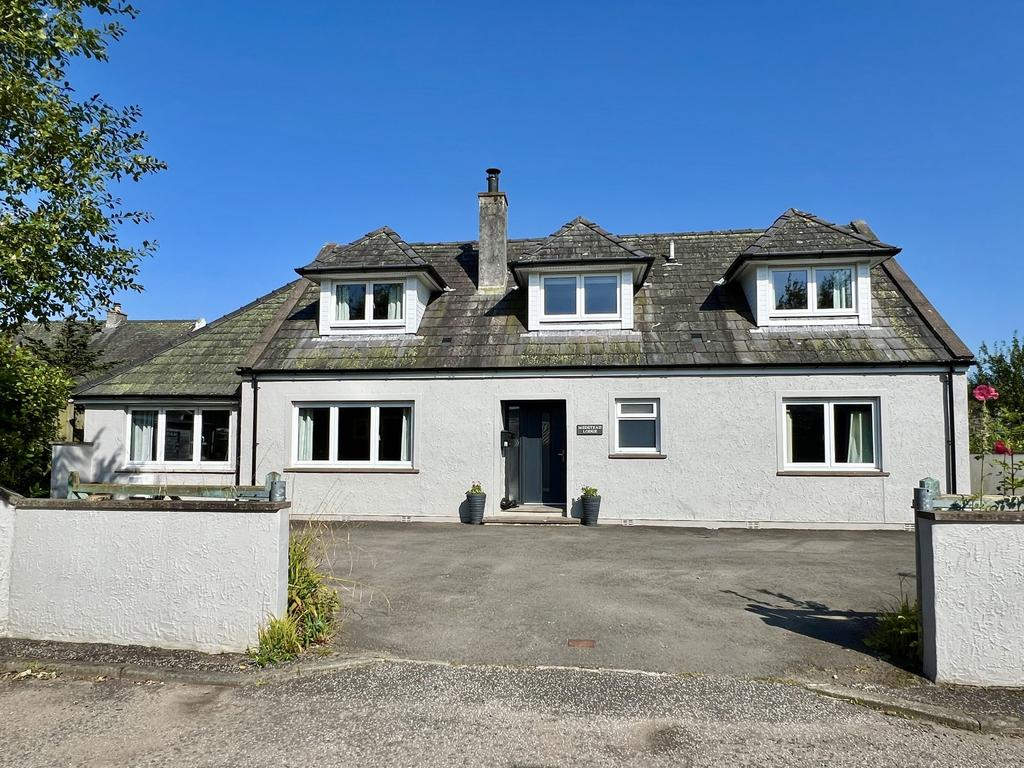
pixel 476 500
pixel 590 503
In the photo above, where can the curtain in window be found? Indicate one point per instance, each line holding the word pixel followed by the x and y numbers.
pixel 861 447
pixel 842 289
pixel 405 434
pixel 343 306
pixel 143 435
pixel 305 434
pixel 395 301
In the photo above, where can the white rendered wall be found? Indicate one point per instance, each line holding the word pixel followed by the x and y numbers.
pixel 972 600
pixel 6 546
pixel 719 435
pixel 143 574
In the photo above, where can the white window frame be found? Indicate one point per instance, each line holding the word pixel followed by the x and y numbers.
pixel 812 291
pixel 367 319
pixel 830 464
pixel 580 314
pixel 332 460
pixel 197 438
pixel 620 416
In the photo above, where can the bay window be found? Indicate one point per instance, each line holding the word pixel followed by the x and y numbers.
pixel 179 435
pixel 369 302
pixel 813 290
pixel 354 434
pixel 839 434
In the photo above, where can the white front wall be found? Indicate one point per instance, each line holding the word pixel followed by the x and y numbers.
pixel 719 435
pixel 200 580
pixel 972 602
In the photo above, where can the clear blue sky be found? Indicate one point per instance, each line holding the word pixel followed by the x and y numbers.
pixel 289 125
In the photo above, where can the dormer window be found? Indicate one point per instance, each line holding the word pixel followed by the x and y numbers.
pixel 366 303
pixel 581 297
pixel 813 291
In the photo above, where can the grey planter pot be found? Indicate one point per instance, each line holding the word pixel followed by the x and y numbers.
pixel 476 503
pixel 590 506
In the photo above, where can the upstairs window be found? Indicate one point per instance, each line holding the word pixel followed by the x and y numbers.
pixel 813 291
pixel 580 297
pixel 179 435
pixel 369 303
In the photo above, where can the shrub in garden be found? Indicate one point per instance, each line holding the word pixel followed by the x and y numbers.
pixel 898 633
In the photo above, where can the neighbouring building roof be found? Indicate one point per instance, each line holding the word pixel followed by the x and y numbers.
pixel 119 345
pixel 682 319
pixel 203 364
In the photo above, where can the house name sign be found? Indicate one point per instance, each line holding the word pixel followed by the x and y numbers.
pixel 590 429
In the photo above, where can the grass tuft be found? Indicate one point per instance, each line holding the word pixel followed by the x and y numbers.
pixel 312 603
pixel 898 633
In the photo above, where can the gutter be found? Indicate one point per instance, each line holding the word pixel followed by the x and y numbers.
pixel 255 422
pixel 950 433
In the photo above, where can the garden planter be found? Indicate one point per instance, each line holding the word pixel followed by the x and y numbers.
pixel 476 503
pixel 590 507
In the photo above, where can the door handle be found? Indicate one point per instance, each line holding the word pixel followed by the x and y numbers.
pixel 561 453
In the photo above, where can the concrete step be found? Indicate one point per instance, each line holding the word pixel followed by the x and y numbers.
pixel 529 518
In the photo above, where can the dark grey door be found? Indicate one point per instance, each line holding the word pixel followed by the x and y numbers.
pixel 535 441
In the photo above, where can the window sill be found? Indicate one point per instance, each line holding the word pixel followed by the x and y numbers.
pixel 167 469
pixel 831 473
pixel 358 470
pixel 637 456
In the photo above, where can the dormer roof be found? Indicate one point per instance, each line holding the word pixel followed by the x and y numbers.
pixel 797 234
pixel 583 242
pixel 383 249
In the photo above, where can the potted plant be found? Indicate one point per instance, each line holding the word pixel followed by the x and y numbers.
pixel 591 506
pixel 476 500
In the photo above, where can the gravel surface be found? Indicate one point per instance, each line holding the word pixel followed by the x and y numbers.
pixel 401 714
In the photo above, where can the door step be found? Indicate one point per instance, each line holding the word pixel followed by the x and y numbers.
pixel 530 518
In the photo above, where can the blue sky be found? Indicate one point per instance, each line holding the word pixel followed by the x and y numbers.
pixel 289 125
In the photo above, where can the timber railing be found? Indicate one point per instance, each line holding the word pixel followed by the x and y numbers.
pixel 272 490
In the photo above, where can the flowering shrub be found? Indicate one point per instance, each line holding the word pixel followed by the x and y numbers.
pixel 984 392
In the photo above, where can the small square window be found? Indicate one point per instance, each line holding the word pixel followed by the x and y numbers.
pixel 351 302
pixel 600 295
pixel 834 288
pixel 637 428
pixel 387 301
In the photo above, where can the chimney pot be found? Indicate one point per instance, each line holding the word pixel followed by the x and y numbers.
pixel 492 180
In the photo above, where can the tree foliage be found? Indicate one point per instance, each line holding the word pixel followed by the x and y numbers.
pixel 61 156
pixel 32 395
pixel 68 347
pixel 1000 366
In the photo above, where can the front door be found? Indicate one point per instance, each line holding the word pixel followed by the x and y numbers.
pixel 534 446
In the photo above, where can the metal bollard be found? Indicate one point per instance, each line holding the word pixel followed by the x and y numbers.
pixel 923 500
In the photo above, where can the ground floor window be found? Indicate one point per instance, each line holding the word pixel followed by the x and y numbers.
pixel 179 435
pixel 354 434
pixel 637 426
pixel 834 433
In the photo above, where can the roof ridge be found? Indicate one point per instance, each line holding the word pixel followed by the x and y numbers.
pixel 118 370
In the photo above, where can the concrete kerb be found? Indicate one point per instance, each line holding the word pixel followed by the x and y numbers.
pixel 881 702
pixel 916 710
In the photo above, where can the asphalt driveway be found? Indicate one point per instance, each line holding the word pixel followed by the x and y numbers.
pixel 736 602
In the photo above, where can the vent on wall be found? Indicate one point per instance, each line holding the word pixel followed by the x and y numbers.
pixel 753 525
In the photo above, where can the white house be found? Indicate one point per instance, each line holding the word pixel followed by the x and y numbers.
pixel 782 377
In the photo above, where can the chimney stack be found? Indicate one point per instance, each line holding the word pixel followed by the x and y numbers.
pixel 114 317
pixel 492 248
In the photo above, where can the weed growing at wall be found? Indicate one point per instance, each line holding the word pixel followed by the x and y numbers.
pixel 313 604
pixel 898 633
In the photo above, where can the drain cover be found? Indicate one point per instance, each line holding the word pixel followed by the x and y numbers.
pixel 580 643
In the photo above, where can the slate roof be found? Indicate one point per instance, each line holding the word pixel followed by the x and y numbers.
pixel 121 345
pixel 797 232
pixel 581 240
pixel 203 364
pixel 682 319
pixel 381 249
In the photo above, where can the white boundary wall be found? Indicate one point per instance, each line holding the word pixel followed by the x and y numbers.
pixel 193 574
pixel 971 580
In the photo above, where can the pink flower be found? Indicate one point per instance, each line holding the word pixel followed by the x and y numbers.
pixel 984 392
pixel 1001 448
